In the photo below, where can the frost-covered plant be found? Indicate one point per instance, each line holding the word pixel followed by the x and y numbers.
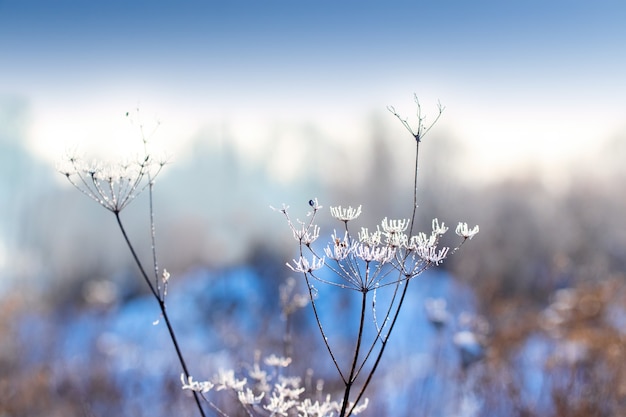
pixel 384 259
pixel 267 390
pixel 367 262
pixel 114 187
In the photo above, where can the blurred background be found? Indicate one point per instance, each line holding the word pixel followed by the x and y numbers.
pixel 264 103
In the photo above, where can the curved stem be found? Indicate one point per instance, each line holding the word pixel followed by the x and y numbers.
pixel 162 307
pixel 384 340
pixel 321 328
pixel 382 350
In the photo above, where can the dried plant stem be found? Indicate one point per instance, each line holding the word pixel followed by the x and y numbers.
pixel 359 266
pixel 162 307
pixel 321 328
pixel 135 257
pixel 418 135
pixel 416 170
pixel 355 360
pixel 384 341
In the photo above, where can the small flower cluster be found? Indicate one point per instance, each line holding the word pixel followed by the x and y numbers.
pixel 361 261
pixel 268 391
pixel 112 186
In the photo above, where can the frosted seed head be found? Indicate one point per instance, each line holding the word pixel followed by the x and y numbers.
pixel 465 232
pixel 345 214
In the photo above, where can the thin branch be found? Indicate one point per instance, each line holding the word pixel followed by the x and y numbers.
pixel 135 257
pixel 355 360
pixel 162 307
pixel 321 328
pixel 380 353
pixel 418 134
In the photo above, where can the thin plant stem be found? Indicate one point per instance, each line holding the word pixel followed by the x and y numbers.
pixel 152 223
pixel 135 257
pixel 414 214
pixel 321 328
pixel 385 339
pixel 379 329
pixel 380 353
pixel 357 351
pixel 153 243
pixel 162 307
pixel 351 271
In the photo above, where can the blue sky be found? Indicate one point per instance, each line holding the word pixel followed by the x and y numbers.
pixel 519 79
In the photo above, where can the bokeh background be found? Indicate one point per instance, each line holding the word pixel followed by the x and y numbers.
pixel 263 103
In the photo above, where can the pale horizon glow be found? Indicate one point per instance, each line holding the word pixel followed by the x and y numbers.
pixel 497 142
pixel 528 86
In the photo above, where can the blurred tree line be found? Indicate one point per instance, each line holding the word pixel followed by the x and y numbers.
pixel 212 210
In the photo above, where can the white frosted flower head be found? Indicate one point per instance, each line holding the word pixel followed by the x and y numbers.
pixel 464 231
pixel 308 408
pixel 247 397
pixel 311 234
pixel 283 209
pixel 290 381
pixel 395 225
pixel 345 214
pixel 258 375
pixel 285 390
pixel 227 380
pixel 203 386
pixel 422 240
pixel 397 240
pixel 279 405
pixel 372 239
pixel 439 229
pixel 306 233
pixel 381 254
pixel 279 361
pixel 339 249
pixel 393 230
pixel 112 186
pixel 432 255
pixel 118 173
pixel 303 264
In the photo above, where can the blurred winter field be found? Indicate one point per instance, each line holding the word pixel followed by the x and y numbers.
pixel 539 292
pixel 259 104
